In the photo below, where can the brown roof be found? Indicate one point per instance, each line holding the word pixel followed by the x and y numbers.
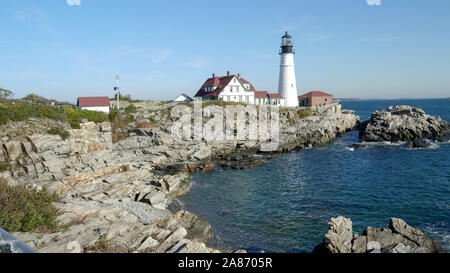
pixel 316 94
pixel 261 94
pixel 186 96
pixel 244 81
pixel 220 83
pixel 275 96
pixel 93 101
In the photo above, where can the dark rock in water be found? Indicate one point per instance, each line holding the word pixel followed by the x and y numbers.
pixel 398 238
pixel 403 123
pixel 417 143
pixel 444 138
pixel 357 146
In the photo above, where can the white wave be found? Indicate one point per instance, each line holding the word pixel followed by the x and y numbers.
pixel 384 143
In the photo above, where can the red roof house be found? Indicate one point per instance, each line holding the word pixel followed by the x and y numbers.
pixel 94 104
pixel 212 87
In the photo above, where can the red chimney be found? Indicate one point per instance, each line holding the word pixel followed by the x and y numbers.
pixel 228 73
pixel 239 75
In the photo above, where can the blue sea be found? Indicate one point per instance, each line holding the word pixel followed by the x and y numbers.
pixel 285 205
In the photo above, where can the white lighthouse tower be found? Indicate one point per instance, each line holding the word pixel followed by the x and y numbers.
pixel 287 86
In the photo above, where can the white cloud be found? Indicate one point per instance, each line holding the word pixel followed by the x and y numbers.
pixel 73 2
pixel 163 54
pixel 196 62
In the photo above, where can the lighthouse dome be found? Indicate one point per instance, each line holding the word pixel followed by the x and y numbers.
pixel 286 36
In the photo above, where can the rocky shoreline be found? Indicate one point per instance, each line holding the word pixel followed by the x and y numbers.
pixel 119 194
pixel 399 237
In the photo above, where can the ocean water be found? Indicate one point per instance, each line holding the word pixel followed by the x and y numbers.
pixel 284 205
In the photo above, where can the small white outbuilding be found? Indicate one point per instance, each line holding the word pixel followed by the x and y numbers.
pixel 99 104
pixel 183 98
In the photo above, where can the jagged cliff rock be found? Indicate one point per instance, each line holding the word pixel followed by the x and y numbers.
pixel 404 123
pixel 398 238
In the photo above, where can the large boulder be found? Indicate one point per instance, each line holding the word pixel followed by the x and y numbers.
pixel 339 236
pixel 403 123
pixel 399 237
pixel 414 235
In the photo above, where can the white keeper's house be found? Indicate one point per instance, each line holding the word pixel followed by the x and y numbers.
pixel 234 88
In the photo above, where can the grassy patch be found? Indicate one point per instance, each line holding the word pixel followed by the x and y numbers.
pixel 130 109
pixel 119 119
pixel 76 116
pixel 102 245
pixel 27 210
pixel 303 113
pixel 5 165
pixel 60 132
pixel 23 111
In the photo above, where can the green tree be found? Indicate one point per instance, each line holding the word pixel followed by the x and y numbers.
pixel 5 93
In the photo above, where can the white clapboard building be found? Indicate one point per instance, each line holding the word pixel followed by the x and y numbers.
pixel 233 88
pixel 99 104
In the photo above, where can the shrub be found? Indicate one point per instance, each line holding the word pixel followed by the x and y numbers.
pixel 130 109
pixel 23 111
pixel 76 116
pixel 302 113
pixel 35 98
pixel 24 209
pixel 60 132
pixel 119 120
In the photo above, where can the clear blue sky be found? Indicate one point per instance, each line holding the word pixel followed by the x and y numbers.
pixel 400 48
